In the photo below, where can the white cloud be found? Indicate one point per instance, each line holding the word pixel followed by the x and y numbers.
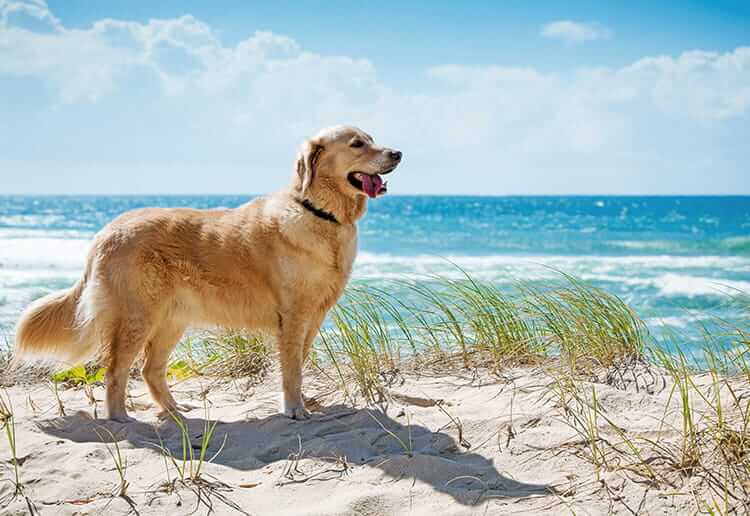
pixel 169 95
pixel 24 11
pixel 575 32
pixel 702 85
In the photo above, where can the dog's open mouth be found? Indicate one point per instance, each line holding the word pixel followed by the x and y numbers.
pixel 371 184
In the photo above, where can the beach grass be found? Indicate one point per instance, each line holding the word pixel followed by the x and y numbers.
pixel 587 325
pixel 5 366
pixel 228 354
pixel 119 460
pixel 8 426
pixel 466 323
pixel 188 465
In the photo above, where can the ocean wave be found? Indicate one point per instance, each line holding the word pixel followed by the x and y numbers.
pixel 31 220
pixel 647 245
pixel 16 278
pixel 668 276
pixel 40 260
pixel 604 263
pixel 673 284
pixel 675 321
pixel 24 233
pixel 737 244
pixel 43 253
pixel 692 286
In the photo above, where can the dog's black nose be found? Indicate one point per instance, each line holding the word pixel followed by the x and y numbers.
pixel 396 155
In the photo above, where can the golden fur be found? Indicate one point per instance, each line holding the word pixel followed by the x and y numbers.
pixel 271 265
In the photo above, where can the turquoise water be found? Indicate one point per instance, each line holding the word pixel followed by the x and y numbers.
pixel 674 259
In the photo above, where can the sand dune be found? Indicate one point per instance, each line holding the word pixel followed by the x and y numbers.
pixel 514 452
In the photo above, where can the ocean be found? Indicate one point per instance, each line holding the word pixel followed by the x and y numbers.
pixel 675 260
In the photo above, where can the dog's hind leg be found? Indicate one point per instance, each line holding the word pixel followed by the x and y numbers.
pixel 158 350
pixel 127 341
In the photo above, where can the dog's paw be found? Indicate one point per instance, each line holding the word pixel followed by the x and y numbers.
pixel 121 418
pixel 297 412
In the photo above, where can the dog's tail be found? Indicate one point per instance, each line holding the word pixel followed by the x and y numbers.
pixel 48 329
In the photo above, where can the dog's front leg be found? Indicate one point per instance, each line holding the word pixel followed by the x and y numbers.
pixel 291 354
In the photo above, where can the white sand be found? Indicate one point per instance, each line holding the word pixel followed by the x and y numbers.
pixel 408 461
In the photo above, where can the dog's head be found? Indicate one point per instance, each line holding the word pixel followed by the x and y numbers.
pixel 345 160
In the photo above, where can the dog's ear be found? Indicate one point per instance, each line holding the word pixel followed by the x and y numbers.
pixel 307 160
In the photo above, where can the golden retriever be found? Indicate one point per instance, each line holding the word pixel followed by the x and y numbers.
pixel 276 264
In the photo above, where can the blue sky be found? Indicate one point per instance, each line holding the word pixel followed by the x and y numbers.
pixel 482 97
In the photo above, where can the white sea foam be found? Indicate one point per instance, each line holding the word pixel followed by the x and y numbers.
pixel 32 267
pixel 16 278
pixel 43 253
pixel 668 275
pixel 691 286
pixel 31 220
pixel 603 263
pixel 642 245
pixel 76 234
pixel 38 260
pixel 676 321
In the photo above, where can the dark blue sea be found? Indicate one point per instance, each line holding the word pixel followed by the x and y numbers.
pixel 675 260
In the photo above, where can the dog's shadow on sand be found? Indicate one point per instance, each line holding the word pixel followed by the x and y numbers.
pixel 364 437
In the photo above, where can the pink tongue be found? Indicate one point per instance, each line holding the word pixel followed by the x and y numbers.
pixel 372 185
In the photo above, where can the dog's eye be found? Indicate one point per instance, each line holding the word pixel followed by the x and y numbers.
pixel 356 144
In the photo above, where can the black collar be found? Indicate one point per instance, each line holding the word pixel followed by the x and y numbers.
pixel 322 214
